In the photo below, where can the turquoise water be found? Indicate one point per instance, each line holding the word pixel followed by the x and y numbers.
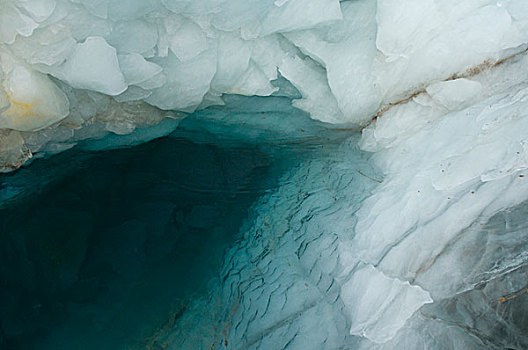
pixel 98 249
pixel 102 249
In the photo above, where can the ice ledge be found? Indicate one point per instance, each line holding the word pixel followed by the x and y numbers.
pixel 346 59
pixel 379 305
pixel 46 106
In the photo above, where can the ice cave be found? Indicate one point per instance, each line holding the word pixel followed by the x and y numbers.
pixel 263 174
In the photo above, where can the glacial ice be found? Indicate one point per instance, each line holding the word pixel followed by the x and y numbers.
pixel 411 235
pixel 347 59
pixel 32 102
pixel 420 244
pixel 93 65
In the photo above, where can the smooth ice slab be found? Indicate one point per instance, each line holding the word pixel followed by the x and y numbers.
pixel 93 65
pixel 30 101
pixel 379 306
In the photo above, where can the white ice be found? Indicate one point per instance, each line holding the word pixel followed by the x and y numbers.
pixel 354 250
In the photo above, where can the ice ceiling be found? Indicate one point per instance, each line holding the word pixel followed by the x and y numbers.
pixel 428 251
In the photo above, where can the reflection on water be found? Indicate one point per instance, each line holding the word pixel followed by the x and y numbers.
pixel 105 246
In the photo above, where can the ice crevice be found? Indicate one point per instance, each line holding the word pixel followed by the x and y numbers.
pixel 405 228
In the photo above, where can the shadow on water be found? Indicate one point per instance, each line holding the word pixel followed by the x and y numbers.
pixel 105 245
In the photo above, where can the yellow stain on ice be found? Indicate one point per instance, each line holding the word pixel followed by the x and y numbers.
pixel 20 109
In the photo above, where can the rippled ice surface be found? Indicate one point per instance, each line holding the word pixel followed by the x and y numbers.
pixel 245 229
pixel 106 246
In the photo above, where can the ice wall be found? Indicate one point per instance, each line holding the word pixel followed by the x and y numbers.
pixel 71 64
pixel 420 244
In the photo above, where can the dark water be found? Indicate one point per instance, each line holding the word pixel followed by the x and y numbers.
pixel 98 249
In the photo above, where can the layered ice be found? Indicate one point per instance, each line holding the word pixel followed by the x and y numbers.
pixel 410 235
pixel 420 243
pixel 347 59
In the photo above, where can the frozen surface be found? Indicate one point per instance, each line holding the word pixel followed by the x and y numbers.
pixel 346 59
pixel 419 244
pixel 403 228
pixel 79 229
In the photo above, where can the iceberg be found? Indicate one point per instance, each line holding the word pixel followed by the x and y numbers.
pixel 401 226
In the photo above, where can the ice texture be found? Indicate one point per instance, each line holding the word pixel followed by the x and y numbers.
pixel 379 305
pixel 32 100
pixel 93 66
pixel 420 243
pixel 347 59
pixel 410 235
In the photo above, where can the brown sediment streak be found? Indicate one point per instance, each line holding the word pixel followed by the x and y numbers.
pixel 470 72
pixel 512 295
